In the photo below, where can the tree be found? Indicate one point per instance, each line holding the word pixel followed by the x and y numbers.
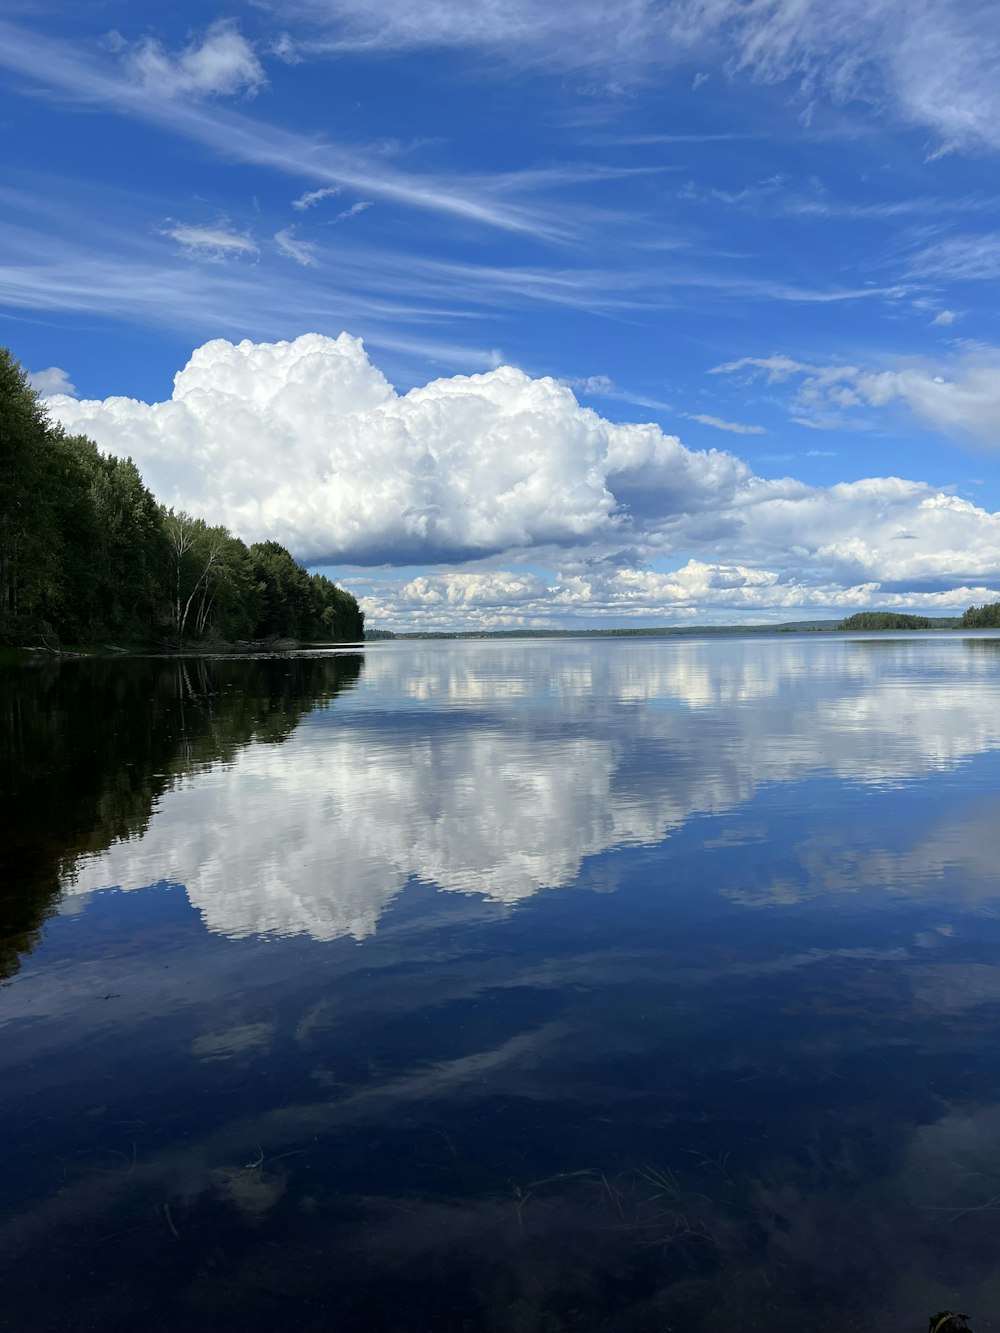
pixel 870 620
pixel 26 528
pixel 981 617
pixel 86 551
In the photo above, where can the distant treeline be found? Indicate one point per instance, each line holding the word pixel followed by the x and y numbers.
pixel 868 620
pixel 86 552
pixel 977 617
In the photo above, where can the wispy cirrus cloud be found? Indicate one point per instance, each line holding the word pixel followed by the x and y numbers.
pixel 217 241
pixel 930 64
pixel 717 423
pixel 354 211
pixel 303 252
pixel 313 197
pixel 238 136
pixel 603 386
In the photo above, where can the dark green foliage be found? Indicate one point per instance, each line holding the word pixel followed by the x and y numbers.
pixel 86 553
pixel 981 617
pixel 868 620
pixel 99 741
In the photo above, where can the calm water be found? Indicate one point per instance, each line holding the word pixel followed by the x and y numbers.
pixel 510 987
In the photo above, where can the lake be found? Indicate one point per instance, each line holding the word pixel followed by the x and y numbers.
pixel 508 986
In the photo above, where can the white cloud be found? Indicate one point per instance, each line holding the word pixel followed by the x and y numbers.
pixel 959 397
pixel 734 427
pixel 313 197
pixel 699 592
pixel 303 252
pixel 52 381
pixel 603 386
pixel 242 138
pixel 944 318
pixel 962 258
pixel 222 63
pixel 306 442
pixel 930 63
pixel 211 242
pixel 360 207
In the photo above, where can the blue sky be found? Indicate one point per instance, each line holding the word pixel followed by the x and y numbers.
pixel 763 229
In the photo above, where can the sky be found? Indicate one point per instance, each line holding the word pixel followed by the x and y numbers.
pixel 514 313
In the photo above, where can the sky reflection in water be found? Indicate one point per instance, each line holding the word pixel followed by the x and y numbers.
pixel 542 986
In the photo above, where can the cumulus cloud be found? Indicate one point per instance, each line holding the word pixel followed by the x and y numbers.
pixel 307 442
pixel 52 381
pixel 211 242
pixel 962 397
pixel 697 592
pixel 221 63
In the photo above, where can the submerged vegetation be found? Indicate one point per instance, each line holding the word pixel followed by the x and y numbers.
pixel 87 553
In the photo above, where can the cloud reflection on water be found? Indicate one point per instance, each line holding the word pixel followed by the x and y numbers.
pixel 498 769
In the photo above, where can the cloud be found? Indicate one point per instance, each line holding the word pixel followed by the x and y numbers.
pixel 306 442
pixel 956 398
pixel 351 212
pixel 303 252
pixel 603 386
pixel 218 242
pixel 313 197
pixel 52 381
pixel 735 427
pixel 699 592
pixel 929 64
pixel 242 138
pixel 222 63
pixel 965 258
pixel 944 318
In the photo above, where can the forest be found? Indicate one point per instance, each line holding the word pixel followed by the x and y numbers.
pixel 981 617
pixel 87 554
pixel 869 620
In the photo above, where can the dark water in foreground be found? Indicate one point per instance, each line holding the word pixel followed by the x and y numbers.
pixel 516 987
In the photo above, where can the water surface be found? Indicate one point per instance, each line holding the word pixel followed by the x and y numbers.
pixel 575 985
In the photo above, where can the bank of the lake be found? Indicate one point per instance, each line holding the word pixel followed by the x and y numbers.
pixel 88 556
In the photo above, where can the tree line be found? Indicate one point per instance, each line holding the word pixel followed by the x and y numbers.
pixel 981 617
pixel 869 620
pixel 87 553
pixel 977 617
